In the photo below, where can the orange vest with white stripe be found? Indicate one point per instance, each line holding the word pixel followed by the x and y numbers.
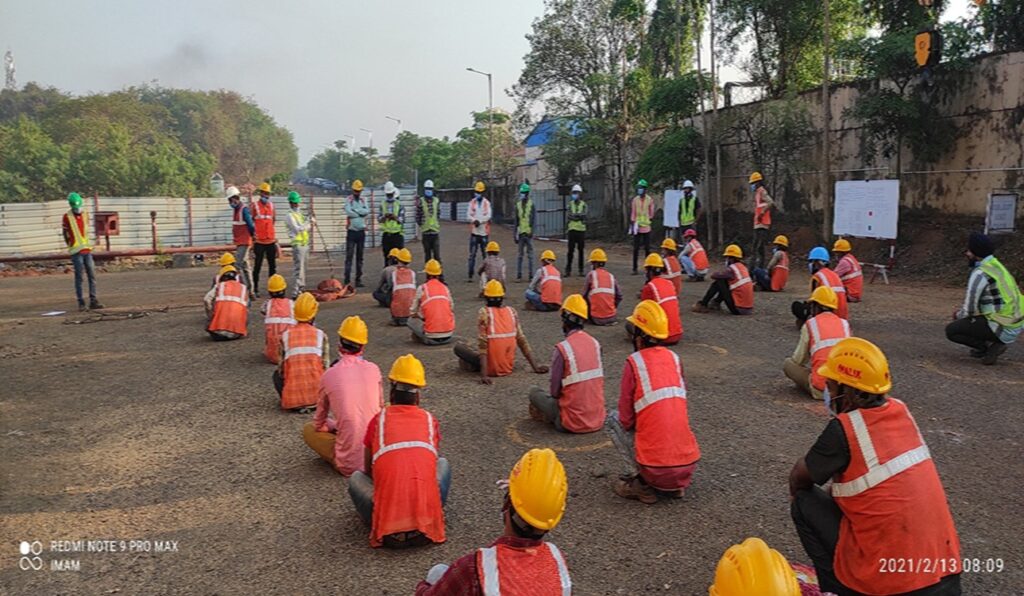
pixel 762 213
pixel 239 230
pixel 663 292
pixel 780 272
pixel 503 569
pixel 230 308
pixel 674 272
pixel 551 285
pixel 741 286
pixel 854 280
pixel 698 255
pixel 601 296
pixel 663 435
pixel 502 327
pixel 893 504
pixel 827 277
pixel 581 403
pixel 263 218
pixel 436 308
pixel 280 316
pixel 303 365
pixel 406 495
pixel 403 292
pixel 823 332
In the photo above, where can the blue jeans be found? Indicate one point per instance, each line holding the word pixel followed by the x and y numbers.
pixel 474 242
pixel 534 298
pixel 762 279
pixel 84 264
pixel 360 489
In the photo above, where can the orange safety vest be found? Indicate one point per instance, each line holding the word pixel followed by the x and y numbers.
pixel 780 273
pixel 663 435
pixel 827 277
pixel 502 328
pixel 854 280
pixel 674 272
pixel 503 569
pixel 581 403
pixel 303 365
pixel 601 297
pixel 698 255
pixel 279 318
pixel 263 217
pixel 550 285
pixel 663 292
pixel 893 504
pixel 436 308
pixel 823 332
pixel 742 288
pixel 762 214
pixel 239 231
pixel 406 495
pixel 230 308
pixel 403 292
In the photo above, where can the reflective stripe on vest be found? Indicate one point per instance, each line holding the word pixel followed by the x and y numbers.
pixel 850 275
pixel 877 473
pixel 303 350
pixel 391 226
pixel 222 297
pixel 1010 314
pixel 546 277
pixel 492 334
pixel 823 280
pixel 687 210
pixel 643 216
pixel 820 344
pixel 430 298
pixel 385 448
pixel 598 288
pixel 659 299
pixel 302 238
pixel 431 222
pixel 575 374
pixel 651 397
pixel 741 279
pixel 79 238
pixel 523 209
pixel 397 286
pixel 492 579
pixel 697 248
pixel 576 208
pixel 279 321
pixel 279 318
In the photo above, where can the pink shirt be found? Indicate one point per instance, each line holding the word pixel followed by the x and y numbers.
pixel 352 393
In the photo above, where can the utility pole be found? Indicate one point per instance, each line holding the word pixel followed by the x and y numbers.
pixel 703 114
pixel 490 116
pixel 397 121
pixel 369 137
pixel 826 148
pixel 718 145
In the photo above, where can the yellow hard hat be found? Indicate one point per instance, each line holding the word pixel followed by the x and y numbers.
pixel 842 245
pixel 479 186
pixel 409 371
pixel 354 330
pixel 669 244
pixel 393 252
pixel 227 269
pixel 226 259
pixel 734 251
pixel 654 260
pixel 265 187
pixel 494 289
pixel 650 317
pixel 858 363
pixel 492 246
pixel 537 488
pixel 597 256
pixel 306 307
pixel 405 255
pixel 755 177
pixel 825 296
pixel 575 304
pixel 432 268
pixel 548 255
pixel 357 185
pixel 781 241
pixel 276 283
pixel 752 567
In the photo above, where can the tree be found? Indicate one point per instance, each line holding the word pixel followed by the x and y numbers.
pixel 570 144
pixel 676 154
pixel 668 47
pixel 403 157
pixel 473 147
pixel 1003 21
pixel 34 166
pixel 437 160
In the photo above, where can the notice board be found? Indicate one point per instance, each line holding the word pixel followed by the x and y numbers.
pixel 867 209
pixel 1001 216
pixel 670 211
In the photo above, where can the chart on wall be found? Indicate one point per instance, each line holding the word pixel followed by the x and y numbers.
pixel 867 208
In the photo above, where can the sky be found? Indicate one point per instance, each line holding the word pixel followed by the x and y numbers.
pixel 324 69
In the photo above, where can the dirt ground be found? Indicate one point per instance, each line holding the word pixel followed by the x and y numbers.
pixel 146 430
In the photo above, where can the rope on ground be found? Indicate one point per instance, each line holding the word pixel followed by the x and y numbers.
pixel 121 315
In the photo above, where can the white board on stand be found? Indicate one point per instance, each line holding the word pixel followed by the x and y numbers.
pixel 867 209
pixel 670 212
pixel 1001 217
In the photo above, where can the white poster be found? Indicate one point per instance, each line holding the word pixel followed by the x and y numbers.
pixel 671 210
pixel 867 209
pixel 1002 213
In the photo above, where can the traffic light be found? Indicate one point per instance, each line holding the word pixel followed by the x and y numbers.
pixel 927 48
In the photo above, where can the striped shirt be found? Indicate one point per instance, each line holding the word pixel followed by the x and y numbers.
pixel 983 299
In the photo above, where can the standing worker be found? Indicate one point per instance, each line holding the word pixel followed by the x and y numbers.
pixel 519 561
pixel 428 216
pixel 732 286
pixel 544 293
pixel 992 315
pixel 432 316
pixel 773 278
pixel 525 217
pixel 392 220
pixel 227 307
pixel 479 215
pixel 75 227
pixel 577 228
pixel 762 217
pixel 817 337
pixel 640 218
pixel 243 228
pixel 886 502
pixel 821 275
pixel 601 291
pixel 299 227
pixel 403 289
pixel 673 268
pixel 652 400
pixel 356 211
pixel 689 208
pixel 849 270
pixel 694 258
pixel 305 354
pixel 264 238
pixel 279 316
pixel 660 290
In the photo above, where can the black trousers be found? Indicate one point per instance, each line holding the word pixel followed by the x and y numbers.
pixel 261 251
pixel 760 242
pixel 576 240
pixel 389 241
pixel 355 241
pixel 971 331
pixel 638 239
pixel 278 382
pixel 431 246
pixel 720 290
pixel 802 311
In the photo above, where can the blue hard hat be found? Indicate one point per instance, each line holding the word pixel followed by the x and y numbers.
pixel 819 253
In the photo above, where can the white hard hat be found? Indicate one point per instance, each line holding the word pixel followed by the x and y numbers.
pixel 231 191
pixel 688 184
pixel 577 188
pixel 389 187
pixel 428 184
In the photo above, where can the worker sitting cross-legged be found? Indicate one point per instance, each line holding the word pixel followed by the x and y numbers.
pixel 545 290
pixel 432 315
pixel 673 269
pixel 660 290
pixel 822 331
pixel 752 567
pixel 383 292
pixel 304 355
pixel 773 277
pixel 575 401
pixel 886 502
pixel 350 395
pixel 278 317
pixel 403 288
pixel 227 307
pixel 601 291
pixel 405 485
pixel 849 270
pixel 732 286
pixel 662 450
pixel 493 266
pixel 498 335
pixel 821 275
pixel 519 561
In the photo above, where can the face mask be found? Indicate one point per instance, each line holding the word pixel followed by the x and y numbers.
pixel 295 206
pixel 575 196
pixel 476 195
pixel 523 196
pixel 810 268
pixel 264 199
pixel 76 210
pixel 828 403
pixel 753 187
pixel 641 191
pixel 428 193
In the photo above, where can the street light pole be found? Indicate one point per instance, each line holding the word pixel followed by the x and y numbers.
pixel 397 121
pixel 826 148
pixel 369 137
pixel 352 147
pixel 490 116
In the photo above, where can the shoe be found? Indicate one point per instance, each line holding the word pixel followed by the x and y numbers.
pixel 536 414
pixel 993 352
pixel 581 274
pixel 529 306
pixel 94 304
pixel 635 272
pixel 82 307
pixel 978 353
pixel 568 274
pixel 699 278
pixel 255 295
pixel 359 283
pixel 470 280
pixel 634 488
pixel 519 279
pixel 700 308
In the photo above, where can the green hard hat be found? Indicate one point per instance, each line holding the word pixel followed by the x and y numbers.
pixel 294 197
pixel 524 187
pixel 75 199
pixel 642 183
